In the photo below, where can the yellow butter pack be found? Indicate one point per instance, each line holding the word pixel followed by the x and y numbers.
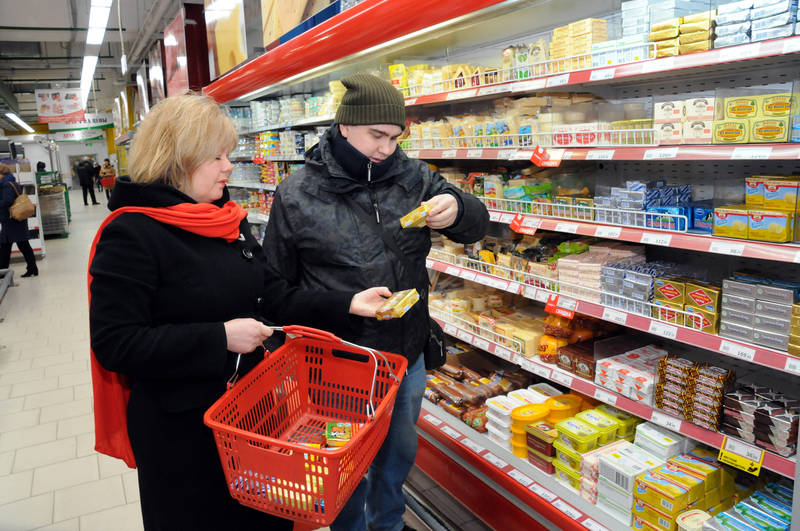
pixel 730 131
pixel 775 105
pixel 737 107
pixel 702 470
pixel 649 517
pixel 694 486
pixel 670 498
pixel 415 218
pixel 397 305
pixel 769 129
pixel 701 319
pixel 781 194
pixel 770 225
pixel 731 221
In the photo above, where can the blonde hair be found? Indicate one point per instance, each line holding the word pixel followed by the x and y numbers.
pixel 5 169
pixel 178 135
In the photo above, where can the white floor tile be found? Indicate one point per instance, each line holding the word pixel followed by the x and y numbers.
pixel 12 440
pixel 48 398
pixel 88 498
pixel 66 474
pixel 124 518
pixel 15 487
pixel 75 426
pixel 45 454
pixel 66 525
pixel 21 419
pixel 67 410
pixel 131 482
pixel 27 514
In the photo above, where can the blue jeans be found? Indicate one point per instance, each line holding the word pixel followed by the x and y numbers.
pixel 381 490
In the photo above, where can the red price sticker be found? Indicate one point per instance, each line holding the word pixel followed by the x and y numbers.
pixel 546 159
pixel 557 307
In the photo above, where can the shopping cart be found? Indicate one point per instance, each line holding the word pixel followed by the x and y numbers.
pixel 269 425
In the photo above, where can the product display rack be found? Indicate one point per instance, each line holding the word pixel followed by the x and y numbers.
pixel 309 68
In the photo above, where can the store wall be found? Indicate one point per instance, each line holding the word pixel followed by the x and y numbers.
pixel 69 149
pixel 34 152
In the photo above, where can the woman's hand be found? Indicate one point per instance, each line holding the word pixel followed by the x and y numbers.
pixel 367 302
pixel 443 212
pixel 245 335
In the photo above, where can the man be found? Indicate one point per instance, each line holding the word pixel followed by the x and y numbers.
pixel 316 239
pixel 85 173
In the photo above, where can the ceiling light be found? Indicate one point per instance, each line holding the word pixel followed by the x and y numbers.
pixel 98 17
pixel 95 35
pixel 170 40
pixel 19 122
pixel 87 76
pixel 102 3
pixel 123 63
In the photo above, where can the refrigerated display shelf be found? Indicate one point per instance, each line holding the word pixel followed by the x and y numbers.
pixel 302 122
pixel 729 347
pixel 782 465
pixel 254 186
pixel 521 478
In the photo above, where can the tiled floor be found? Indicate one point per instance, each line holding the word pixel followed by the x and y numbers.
pixel 50 477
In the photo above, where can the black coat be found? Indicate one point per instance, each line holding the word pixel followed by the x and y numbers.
pixel 85 171
pixel 315 240
pixel 11 230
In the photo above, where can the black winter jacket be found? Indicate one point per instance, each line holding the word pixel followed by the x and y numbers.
pixel 11 230
pixel 315 240
pixel 160 296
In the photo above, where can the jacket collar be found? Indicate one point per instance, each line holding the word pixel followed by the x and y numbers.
pixel 156 194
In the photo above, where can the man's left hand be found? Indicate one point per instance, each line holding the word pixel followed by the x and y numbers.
pixel 443 212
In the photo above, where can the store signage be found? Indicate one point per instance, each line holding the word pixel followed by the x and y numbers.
pixel 59 105
pixel 740 455
pixel 101 120
pixel 547 158
pixel 82 135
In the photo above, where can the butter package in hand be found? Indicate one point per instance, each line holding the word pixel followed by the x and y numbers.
pixel 416 218
pixel 397 305
pixel 338 434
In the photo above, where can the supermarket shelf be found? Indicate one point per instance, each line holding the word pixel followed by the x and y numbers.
pixel 776 463
pixel 778 252
pixel 241 158
pixel 285 158
pixel 729 347
pixel 254 186
pixel 257 218
pixel 544 493
pixel 789 151
pixel 303 122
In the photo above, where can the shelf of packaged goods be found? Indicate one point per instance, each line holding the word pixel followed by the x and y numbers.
pixel 772 461
pixel 529 224
pixel 730 347
pixel 257 218
pixel 302 122
pixel 558 503
pixel 788 151
pixel 254 186
pixel 240 158
pixel 282 158
pixel 627 71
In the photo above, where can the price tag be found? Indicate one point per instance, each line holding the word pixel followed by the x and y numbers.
pixel 494 215
pixel 667 421
pixel 496 461
pixel 562 378
pixel 567 509
pixel 535 368
pixel 791 45
pixel 497 283
pixel 615 316
pixel 663 330
pixel 600 154
pixel 461 94
pixel 412 154
pixel 541 296
pixel 433 420
pixel 601 75
pixel 737 351
pixel 514 287
pixel 542 492
pixel 503 353
pixel 505 154
pixel 451 432
pixel 449 153
pixel 529 292
pixel 733 249
pixel 572 228
pixel 567 304
pixel 411 101
pixel 495 89
pixel 520 478
pixel 655 65
pixel 525 86
pixel 452 270
pixel 472 445
pixel 450 329
pixel 464 336
pixel 591 525
pixel 654 238
pixel 608 232
pixel 531 222
pixel 661 154
pixel 480 343
pixel 735 53
pixel 522 155
pixel 793 364
pixel 557 81
pixel 506 218
pixel 740 455
pixel 605 397
pixel 468 275
pixel 751 153
pixel 474 153
pixel 428 263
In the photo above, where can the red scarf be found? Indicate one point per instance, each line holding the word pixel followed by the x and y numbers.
pixel 111 389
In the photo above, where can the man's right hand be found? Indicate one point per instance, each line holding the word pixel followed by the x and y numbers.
pixel 245 335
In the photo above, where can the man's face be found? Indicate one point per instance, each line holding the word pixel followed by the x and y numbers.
pixel 374 141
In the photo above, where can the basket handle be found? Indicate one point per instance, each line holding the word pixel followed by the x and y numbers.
pixel 307 331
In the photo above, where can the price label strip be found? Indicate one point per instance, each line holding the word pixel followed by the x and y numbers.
pixel 494 215
pixel 506 218
pixel 571 228
pixel 542 492
pixel 793 365
pixel 450 329
pixel 412 154
pixel 480 343
pixel 600 154
pixel 460 95
pixel 606 397
pixel 602 75
pixel 449 154
pixel 615 316
pixel 661 154
pixel 520 478
pixel 737 351
pixel 740 455
pixel 567 509
pixel 667 421
pixel 504 353
pixel 591 525
pixel 451 270
pixel 451 432
pixel 467 275
pixel 654 238
pixel 560 377
pixel 496 461
pixel 663 330
pixel 433 420
pixel 474 153
pixel 428 263
pixel 733 249
pixel 472 445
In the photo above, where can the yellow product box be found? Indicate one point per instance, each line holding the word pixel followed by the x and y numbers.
pixel 398 75
pixel 697 36
pixel 701 319
pixel 769 130
pixel 670 289
pixel 731 221
pixel 672 51
pixel 741 107
pixel 796 310
pixel 666 311
pixel 563 211
pixel 754 191
pixel 560 33
pixel 730 131
pixel 695 486
pixel 648 517
pixel 669 497
pixel 775 105
pixel 529 339
pixel 667 43
pixel 700 46
pixel 697 131
pixel 586 212
pixel 794 349
pixel 588 25
pixel 703 18
pixel 398 304
pixel 770 225
pixel 702 470
pixel 702 295
pixel 781 194
pixel 338 434
pixel 795 323
pixel 671 24
pixel 664 35
pixel 713 497
pixel 415 218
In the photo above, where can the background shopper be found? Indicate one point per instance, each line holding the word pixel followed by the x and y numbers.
pixel 96 169
pixel 177 283
pixel 85 172
pixel 317 241
pixel 107 171
pixel 11 230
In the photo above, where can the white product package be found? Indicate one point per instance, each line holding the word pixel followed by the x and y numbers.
pixel 781 19
pixel 772 33
pixel 733 18
pixel 734 7
pixel 731 40
pixel 732 29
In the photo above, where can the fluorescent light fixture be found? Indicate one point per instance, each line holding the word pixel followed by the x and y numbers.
pixel 95 35
pixel 87 76
pixel 170 40
pixel 16 119
pixel 181 60
pixel 123 63
pixel 98 17
pixel 219 10
pixel 102 3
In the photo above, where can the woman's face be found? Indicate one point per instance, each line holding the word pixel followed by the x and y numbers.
pixel 208 180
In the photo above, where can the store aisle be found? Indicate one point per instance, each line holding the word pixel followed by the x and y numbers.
pixel 50 476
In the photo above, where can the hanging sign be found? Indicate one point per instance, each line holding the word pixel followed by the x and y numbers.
pixel 59 105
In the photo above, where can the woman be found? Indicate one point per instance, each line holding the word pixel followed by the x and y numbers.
pixel 107 174
pixel 11 230
pixel 176 280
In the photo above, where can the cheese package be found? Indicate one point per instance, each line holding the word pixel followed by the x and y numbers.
pixel 700 108
pixel 697 131
pixel 741 107
pixel 770 225
pixel 730 131
pixel 754 191
pixel 769 130
pixel 416 218
pixel 668 111
pixel 398 304
pixel 774 105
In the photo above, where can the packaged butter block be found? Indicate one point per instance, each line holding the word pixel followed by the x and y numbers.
pixel 697 131
pixel 754 191
pixel 780 194
pixel 741 107
pixel 697 36
pixel 700 108
pixel 668 111
pixel 672 24
pixel 708 473
pixel 670 289
pixel 415 218
pixel 648 518
pixel 694 47
pixel 670 34
pixel 769 130
pixel 703 295
pixel 398 304
pixel 560 33
pixel 672 51
pixel 670 132
pixel 701 319
pixel 658 441
pixel 770 225
pixel 694 486
pixel 731 131
pixel 667 312
pixel 669 498
pixel 775 105
pixel 588 25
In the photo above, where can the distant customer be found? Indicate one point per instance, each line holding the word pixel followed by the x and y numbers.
pixel 85 171
pixel 96 175
pixel 107 176
pixel 11 230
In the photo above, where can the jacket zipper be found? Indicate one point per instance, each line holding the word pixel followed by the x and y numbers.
pixel 372 193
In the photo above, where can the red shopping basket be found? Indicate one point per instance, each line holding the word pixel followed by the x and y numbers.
pixel 266 425
pixel 108 182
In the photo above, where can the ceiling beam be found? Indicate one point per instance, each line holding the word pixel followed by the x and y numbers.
pixel 50 28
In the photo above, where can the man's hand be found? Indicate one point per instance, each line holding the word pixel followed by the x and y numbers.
pixel 245 335
pixel 366 303
pixel 443 212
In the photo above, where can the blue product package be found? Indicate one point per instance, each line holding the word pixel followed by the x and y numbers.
pixel 767 503
pixel 703 216
pixel 635 186
pixel 684 194
pixel 732 29
pixel 772 33
pixel 757 4
pixel 784 6
pixel 731 40
pixel 729 520
pixel 733 7
pixel 781 19
pixel 760 518
pixel 657 183
pixel 652 197
pixel 733 18
pixel 668 196
pixel 668 221
pixel 777 490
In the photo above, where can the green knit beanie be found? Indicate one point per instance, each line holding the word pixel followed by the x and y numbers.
pixel 370 100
